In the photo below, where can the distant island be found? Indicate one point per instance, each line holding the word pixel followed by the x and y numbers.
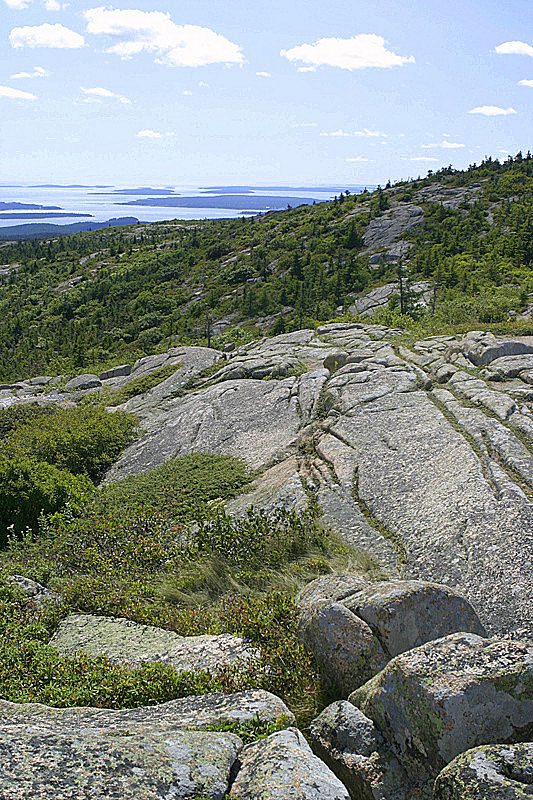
pixel 12 206
pixel 39 215
pixel 147 190
pixel 238 202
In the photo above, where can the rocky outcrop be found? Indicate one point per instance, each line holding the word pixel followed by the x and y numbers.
pixel 372 301
pixel 495 772
pixel 121 640
pixel 143 753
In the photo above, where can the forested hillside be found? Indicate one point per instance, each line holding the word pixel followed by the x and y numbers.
pixel 95 299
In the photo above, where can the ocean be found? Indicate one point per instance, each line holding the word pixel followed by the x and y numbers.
pixel 100 203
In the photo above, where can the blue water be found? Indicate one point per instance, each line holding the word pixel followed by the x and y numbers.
pixel 103 203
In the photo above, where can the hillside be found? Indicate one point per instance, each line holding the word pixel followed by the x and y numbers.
pixel 293 566
pixel 462 239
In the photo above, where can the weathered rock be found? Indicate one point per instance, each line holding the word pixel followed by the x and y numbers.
pixel 110 755
pixel 511 366
pixel 37 593
pixel 448 696
pixel 81 382
pixel 494 772
pixel 283 766
pixel 483 348
pixel 121 640
pixel 254 420
pixel 335 588
pixel 346 650
pixel 379 297
pixel 116 372
pixel 352 747
pixel 405 614
pixel 280 486
pixel 40 380
pixel 386 229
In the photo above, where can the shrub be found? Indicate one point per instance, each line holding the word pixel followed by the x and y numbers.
pixel 29 488
pixel 86 439
pixel 141 384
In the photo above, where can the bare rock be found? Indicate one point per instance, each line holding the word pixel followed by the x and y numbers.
pixel 494 772
pixel 283 766
pixel 448 696
pixel 82 382
pixel 121 640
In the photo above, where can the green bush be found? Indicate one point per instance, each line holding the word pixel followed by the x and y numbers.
pixel 141 384
pixel 86 439
pixel 29 488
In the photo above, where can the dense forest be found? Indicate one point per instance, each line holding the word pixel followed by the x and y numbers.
pixel 89 300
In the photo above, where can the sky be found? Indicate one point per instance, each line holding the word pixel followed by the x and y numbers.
pixel 301 92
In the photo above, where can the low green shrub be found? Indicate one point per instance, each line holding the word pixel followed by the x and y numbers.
pixel 86 439
pixel 140 385
pixel 29 488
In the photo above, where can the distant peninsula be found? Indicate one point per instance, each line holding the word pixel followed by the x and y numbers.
pixel 39 214
pixel 146 190
pixel 36 230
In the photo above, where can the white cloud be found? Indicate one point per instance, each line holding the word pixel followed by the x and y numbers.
pixel 50 5
pixel 446 144
pixel 492 111
pixel 358 158
pixel 187 92
pixel 306 69
pixel 148 134
pixel 359 52
pixel 38 72
pixel 99 91
pixel 154 31
pixel 202 83
pixel 15 94
pixel 340 132
pixel 305 125
pixel 515 48
pixel 45 36
pixel 423 158
pixel 525 83
pixel 366 132
pixel 263 74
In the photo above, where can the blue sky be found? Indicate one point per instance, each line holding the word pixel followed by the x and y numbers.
pixel 225 91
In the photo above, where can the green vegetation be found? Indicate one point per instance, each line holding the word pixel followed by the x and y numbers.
pixel 140 385
pixel 156 548
pixel 96 299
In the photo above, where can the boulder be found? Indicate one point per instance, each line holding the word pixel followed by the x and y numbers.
pixel 448 696
pixel 511 366
pixel 283 766
pixel 82 382
pixel 330 587
pixel 122 640
pixel 116 372
pixel 334 361
pixel 37 593
pixel 355 751
pixel 345 649
pixel 40 380
pixel 494 772
pixel 484 348
pixel 405 614
pixel 96 754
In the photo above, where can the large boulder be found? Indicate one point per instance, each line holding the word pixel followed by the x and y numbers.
pixel 330 587
pixel 345 649
pixel 283 766
pixel 83 382
pixel 494 772
pixel 484 348
pixel 124 641
pixel 406 614
pixel 353 748
pixel 445 697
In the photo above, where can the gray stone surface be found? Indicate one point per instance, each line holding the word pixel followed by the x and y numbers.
pixel 38 594
pixel 494 772
pixel 251 419
pixel 283 766
pixel 405 614
pixel 344 646
pixel 139 754
pixel 121 640
pixel 335 588
pixel 448 696
pixel 116 372
pixel 351 745
pixel 81 382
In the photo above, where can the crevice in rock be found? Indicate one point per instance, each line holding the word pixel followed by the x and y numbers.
pixel 377 524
